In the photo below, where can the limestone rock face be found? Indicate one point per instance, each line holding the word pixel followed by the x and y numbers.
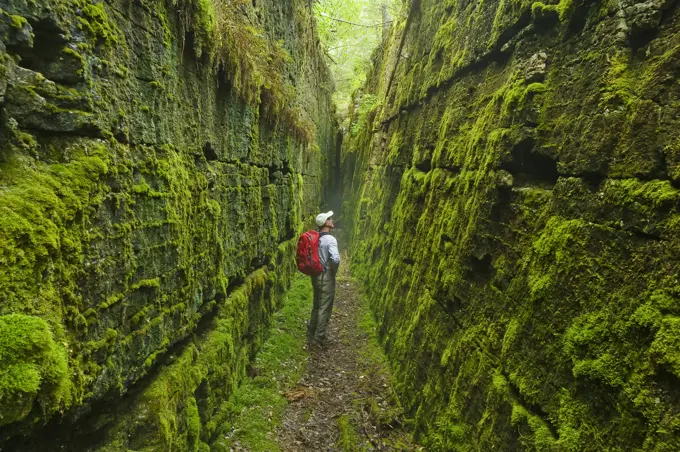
pixel 152 187
pixel 512 175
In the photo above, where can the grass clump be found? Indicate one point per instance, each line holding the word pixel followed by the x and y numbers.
pixel 349 440
pixel 257 406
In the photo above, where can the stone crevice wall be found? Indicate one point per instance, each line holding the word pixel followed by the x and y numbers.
pixel 512 178
pixel 148 211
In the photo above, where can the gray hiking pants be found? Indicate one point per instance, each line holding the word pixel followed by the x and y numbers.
pixel 324 295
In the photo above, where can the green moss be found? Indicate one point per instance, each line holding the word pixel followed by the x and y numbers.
pixel 666 346
pixel 646 196
pixel 563 10
pixel 513 305
pixel 70 52
pixel 203 23
pixel 96 21
pixel 111 300
pixel 160 351
pixel 366 104
pixel 541 11
pixel 106 342
pixel 124 245
pixel 18 22
pixel 38 205
pixel 193 424
pixel 396 144
pixel 519 95
pixel 147 284
pixel 511 333
pixel 231 38
pixel 619 88
pixel 35 368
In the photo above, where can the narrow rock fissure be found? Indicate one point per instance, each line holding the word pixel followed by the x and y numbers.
pixel 505 179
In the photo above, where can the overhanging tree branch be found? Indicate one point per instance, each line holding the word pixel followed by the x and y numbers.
pixel 354 23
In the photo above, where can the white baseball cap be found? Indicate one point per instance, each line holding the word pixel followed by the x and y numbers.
pixel 323 217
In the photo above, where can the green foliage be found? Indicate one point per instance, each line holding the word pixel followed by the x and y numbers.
pixel 360 115
pixel 255 63
pixel 349 46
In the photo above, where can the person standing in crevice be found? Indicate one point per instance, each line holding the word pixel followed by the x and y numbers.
pixel 324 282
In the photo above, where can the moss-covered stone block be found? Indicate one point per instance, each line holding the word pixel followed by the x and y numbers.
pixel 146 173
pixel 514 213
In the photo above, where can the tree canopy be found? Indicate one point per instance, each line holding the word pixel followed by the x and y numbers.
pixel 350 30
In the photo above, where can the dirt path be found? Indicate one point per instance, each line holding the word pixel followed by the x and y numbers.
pixel 344 401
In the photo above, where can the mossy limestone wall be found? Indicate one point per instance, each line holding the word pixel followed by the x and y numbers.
pixel 150 195
pixel 513 182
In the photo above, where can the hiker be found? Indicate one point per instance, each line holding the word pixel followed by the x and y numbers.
pixel 324 282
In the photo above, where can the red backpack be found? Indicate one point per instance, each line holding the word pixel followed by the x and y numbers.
pixel 308 254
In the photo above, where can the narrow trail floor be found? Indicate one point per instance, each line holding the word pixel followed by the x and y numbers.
pixel 344 401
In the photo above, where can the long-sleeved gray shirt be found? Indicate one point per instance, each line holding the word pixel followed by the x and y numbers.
pixel 328 250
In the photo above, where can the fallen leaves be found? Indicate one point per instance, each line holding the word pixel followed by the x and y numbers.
pixel 299 394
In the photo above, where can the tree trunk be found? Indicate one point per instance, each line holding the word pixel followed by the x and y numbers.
pixel 386 20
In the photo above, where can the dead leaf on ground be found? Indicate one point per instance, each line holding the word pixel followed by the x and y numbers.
pixel 298 394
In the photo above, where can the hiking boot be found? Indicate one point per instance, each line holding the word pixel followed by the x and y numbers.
pixel 310 333
pixel 323 342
